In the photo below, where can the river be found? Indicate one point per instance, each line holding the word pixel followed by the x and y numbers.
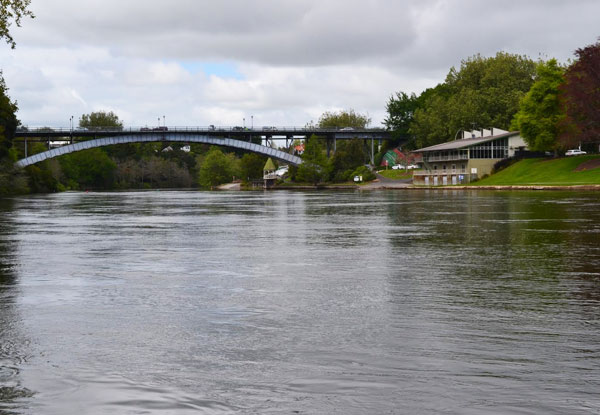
pixel 374 302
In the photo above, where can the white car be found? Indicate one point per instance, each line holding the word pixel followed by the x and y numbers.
pixel 398 167
pixel 412 166
pixel 575 152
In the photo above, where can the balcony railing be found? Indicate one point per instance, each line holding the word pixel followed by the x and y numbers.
pixel 446 158
pixel 438 172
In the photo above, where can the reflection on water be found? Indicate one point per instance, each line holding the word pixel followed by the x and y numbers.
pixel 298 302
pixel 13 346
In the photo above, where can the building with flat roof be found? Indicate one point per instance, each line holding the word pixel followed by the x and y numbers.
pixel 464 160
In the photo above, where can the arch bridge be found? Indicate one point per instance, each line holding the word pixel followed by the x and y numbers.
pixel 232 137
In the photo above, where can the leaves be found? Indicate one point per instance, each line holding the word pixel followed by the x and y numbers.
pixel 483 93
pixel 540 113
pixel 12 10
pixel 582 96
pixel 346 118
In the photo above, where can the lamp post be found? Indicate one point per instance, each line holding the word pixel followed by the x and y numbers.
pixel 252 122
pixel 164 122
pixel 71 123
pixel 244 122
pixel 159 122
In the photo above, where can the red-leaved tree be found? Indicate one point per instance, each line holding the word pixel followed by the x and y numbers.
pixel 581 95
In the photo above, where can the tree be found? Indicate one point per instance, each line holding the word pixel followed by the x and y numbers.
pixel 581 92
pixel 100 119
pixel 90 168
pixel 12 10
pixel 400 111
pixel 541 113
pixel 8 120
pixel 314 162
pixel 484 92
pixel 215 169
pixel 348 156
pixel 251 166
pixel 346 118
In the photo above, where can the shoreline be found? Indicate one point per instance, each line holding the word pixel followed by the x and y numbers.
pixel 404 186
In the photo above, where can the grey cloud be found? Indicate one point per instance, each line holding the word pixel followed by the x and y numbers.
pixel 271 32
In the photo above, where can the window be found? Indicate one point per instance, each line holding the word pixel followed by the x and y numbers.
pixel 443 167
pixel 453 168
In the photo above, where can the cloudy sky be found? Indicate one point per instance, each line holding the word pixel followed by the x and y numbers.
pixel 272 62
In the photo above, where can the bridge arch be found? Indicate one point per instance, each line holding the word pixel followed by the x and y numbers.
pixel 147 138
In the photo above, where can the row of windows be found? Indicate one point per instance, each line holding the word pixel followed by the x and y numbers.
pixel 497 149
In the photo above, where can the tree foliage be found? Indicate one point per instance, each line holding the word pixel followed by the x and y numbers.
pixel 541 113
pixel 345 118
pixel 8 120
pixel 484 92
pixel 581 92
pixel 348 156
pixel 400 112
pixel 251 166
pixel 12 11
pixel 90 168
pixel 314 167
pixel 216 168
pixel 100 119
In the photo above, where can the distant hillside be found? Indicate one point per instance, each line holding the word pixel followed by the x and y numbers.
pixel 564 171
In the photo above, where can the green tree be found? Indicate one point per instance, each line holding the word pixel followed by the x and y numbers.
pixel 348 156
pixel 251 166
pixel 400 110
pixel 100 119
pixel 541 112
pixel 314 167
pixel 216 168
pixel 90 168
pixel 345 118
pixel 484 92
pixel 8 120
pixel 12 10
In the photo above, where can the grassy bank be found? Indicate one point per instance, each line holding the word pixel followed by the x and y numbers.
pixel 396 174
pixel 565 171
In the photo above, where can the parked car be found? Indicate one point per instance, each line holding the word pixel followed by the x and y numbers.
pixel 398 167
pixel 575 152
pixel 347 129
pixel 412 166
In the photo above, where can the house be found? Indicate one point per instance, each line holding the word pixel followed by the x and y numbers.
pixel 466 159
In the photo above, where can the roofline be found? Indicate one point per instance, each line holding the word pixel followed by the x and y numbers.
pixel 467 142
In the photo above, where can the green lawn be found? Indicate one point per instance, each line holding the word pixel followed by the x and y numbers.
pixel 549 172
pixel 396 174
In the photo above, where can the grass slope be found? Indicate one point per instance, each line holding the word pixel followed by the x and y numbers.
pixel 554 172
pixel 396 174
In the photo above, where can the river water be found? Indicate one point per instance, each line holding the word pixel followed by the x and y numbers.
pixel 416 302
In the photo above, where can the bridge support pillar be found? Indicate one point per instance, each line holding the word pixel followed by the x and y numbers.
pixel 372 153
pixel 26 148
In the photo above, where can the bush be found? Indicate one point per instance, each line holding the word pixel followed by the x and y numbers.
pixel 364 171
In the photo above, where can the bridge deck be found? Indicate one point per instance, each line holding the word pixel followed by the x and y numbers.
pixel 232 132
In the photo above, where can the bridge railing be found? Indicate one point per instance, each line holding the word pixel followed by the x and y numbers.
pixel 194 129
